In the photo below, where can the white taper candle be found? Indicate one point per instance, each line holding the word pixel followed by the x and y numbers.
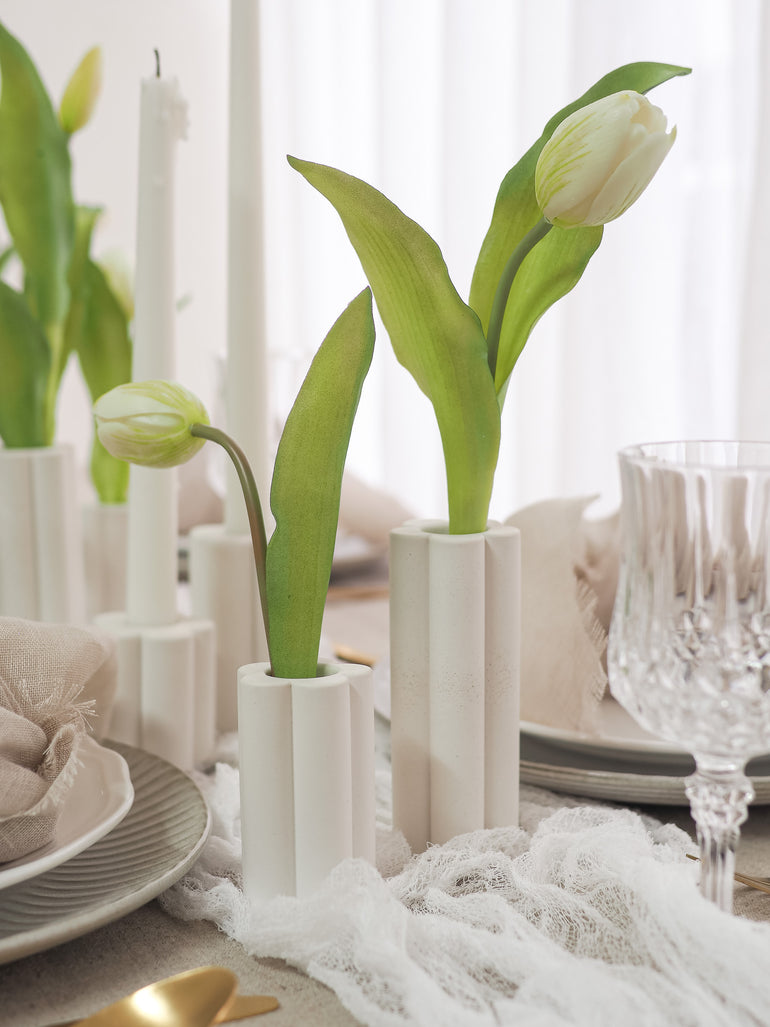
pixel 152 517
pixel 246 392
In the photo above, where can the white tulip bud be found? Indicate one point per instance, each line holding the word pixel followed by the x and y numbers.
pixel 600 159
pixel 149 423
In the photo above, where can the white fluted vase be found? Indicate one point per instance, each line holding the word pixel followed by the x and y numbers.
pixel 105 551
pixel 306 776
pixel 41 552
pixel 454 666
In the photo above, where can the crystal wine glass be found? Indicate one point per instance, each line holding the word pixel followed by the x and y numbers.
pixel 689 648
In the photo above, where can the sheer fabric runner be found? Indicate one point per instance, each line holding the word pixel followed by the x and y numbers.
pixel 586 915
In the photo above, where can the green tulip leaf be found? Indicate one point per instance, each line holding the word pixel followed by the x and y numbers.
pixel 305 493
pixel 103 347
pixel 434 334
pixel 35 184
pixel 109 475
pixel 556 263
pixel 85 222
pixel 25 360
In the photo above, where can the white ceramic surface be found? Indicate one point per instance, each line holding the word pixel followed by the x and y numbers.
pixel 306 776
pixel 617 734
pixel 100 797
pixel 454 672
pixel 152 847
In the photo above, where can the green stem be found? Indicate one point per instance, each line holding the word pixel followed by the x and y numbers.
pixel 500 302
pixel 253 507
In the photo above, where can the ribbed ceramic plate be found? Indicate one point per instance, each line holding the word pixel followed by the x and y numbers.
pixel 100 796
pixel 146 853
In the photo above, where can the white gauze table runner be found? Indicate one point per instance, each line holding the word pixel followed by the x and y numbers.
pixel 585 915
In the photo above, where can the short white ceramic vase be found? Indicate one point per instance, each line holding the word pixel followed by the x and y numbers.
pixel 454 668
pixel 41 552
pixel 306 776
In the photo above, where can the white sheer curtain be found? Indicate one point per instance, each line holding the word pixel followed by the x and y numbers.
pixel 432 101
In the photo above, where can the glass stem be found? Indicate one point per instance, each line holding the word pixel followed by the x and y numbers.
pixel 719 795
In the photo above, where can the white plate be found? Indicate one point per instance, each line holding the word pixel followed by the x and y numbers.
pixel 100 797
pixel 622 778
pixel 617 736
pixel 146 853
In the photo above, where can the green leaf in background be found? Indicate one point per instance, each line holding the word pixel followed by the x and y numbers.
pixel 110 476
pixel 97 330
pixel 305 493
pixel 434 334
pixel 85 222
pixel 25 362
pixel 104 351
pixel 35 183
pixel 555 265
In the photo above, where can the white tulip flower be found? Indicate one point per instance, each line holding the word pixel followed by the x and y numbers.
pixel 600 159
pixel 148 423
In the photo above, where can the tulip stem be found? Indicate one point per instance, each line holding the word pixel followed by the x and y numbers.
pixel 253 507
pixel 503 291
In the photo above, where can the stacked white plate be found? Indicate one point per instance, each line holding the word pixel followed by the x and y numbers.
pixel 620 761
pixel 131 825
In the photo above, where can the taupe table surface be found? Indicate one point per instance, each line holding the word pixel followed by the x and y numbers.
pixel 81 976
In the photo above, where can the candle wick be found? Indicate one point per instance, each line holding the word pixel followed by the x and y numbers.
pixel 157 63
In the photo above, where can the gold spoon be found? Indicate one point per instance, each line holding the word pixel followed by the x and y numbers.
pixel 760 883
pixel 238 1008
pixel 191 999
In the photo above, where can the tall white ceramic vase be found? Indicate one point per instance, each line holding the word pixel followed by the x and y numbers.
pixel 306 776
pixel 105 549
pixel 41 551
pixel 454 665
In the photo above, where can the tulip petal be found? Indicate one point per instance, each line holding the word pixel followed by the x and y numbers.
pixel 148 423
pixel 581 154
pixel 630 179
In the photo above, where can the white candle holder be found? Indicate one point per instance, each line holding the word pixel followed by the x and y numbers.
pixel 307 776
pixel 454 667
pixel 222 567
pixel 105 549
pixel 41 553
pixel 165 697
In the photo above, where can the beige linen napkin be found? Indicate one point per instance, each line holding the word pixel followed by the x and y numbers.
pixel 569 568
pixel 51 677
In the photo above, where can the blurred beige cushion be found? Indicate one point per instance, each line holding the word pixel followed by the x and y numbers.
pixel 569 568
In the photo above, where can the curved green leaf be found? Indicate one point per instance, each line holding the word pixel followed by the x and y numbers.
pixel 35 182
pixel 558 261
pixel 305 493
pixel 434 334
pixel 25 363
